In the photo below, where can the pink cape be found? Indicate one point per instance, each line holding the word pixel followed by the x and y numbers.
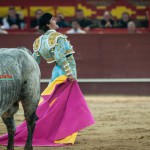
pixel 67 115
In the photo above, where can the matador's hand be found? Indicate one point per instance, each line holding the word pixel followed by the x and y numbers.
pixel 71 78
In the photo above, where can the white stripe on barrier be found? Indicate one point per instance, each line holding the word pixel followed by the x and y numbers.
pixel 105 80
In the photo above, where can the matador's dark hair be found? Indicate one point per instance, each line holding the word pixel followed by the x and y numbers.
pixel 44 20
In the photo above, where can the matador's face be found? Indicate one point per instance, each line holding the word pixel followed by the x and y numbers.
pixel 53 23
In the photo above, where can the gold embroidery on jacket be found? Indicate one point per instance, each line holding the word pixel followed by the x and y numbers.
pixel 52 39
pixel 36 44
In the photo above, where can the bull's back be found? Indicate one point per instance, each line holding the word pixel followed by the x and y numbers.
pixel 15 68
pixel 10 81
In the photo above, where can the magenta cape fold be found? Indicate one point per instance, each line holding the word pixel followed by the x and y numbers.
pixel 67 115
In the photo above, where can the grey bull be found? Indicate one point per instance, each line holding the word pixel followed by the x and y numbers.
pixel 19 82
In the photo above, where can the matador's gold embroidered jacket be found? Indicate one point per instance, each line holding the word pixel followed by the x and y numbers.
pixel 54 47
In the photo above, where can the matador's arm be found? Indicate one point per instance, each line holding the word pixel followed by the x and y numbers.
pixel 60 56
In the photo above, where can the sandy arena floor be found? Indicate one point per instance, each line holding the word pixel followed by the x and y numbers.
pixel 122 123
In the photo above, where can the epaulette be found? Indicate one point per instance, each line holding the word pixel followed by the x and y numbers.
pixel 37 44
pixel 53 37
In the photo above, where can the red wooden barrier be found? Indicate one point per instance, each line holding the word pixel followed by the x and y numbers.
pixel 101 56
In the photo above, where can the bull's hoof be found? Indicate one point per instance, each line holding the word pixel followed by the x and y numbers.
pixel 28 148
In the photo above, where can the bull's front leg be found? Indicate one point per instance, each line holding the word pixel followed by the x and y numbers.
pixel 30 125
pixel 10 124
